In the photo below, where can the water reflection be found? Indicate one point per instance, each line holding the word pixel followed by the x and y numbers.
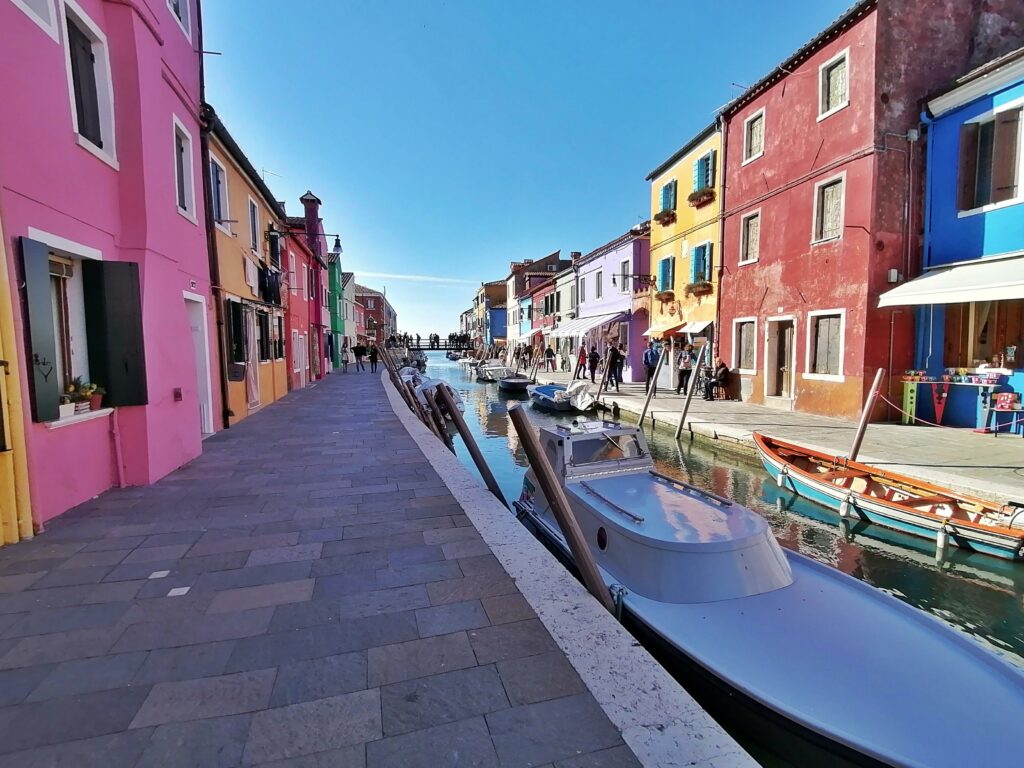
pixel 979 595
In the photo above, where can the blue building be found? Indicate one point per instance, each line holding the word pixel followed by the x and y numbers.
pixel 495 324
pixel 969 301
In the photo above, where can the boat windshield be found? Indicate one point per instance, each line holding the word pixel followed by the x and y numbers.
pixel 605 447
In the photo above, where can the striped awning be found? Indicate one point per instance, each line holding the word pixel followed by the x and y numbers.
pixel 579 326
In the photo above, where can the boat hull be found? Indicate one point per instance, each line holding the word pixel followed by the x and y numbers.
pixel 876 511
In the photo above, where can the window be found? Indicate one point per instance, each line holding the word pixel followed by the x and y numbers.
pixel 833 85
pixel 744 345
pixel 984 331
pixel 252 274
pixel 88 70
pixel 583 290
pixel 558 301
pixel 624 276
pixel 180 11
pixel 753 136
pixel 668 196
pixel 704 171
pixel 326 298
pixel 295 351
pixel 254 226
pixel 552 267
pixel 185 188
pixel 263 340
pixel 701 263
pixel 369 303
pixel 667 273
pixel 599 284
pixel 990 155
pixel 825 344
pixel 41 12
pixel 750 237
pixel 219 193
pixel 305 277
pixel 279 338
pixel 312 284
pixel 829 198
pixel 68 307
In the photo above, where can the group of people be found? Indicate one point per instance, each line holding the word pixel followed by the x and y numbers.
pixel 685 363
pixel 590 361
pixel 360 351
pixel 458 339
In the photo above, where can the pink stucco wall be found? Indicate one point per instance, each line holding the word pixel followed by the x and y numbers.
pixel 50 183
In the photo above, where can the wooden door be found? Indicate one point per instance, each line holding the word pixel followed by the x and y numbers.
pixel 784 359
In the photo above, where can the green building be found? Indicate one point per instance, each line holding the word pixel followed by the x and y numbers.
pixel 337 314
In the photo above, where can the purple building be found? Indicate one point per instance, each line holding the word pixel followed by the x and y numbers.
pixel 610 285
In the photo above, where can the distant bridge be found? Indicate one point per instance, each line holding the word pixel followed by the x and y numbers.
pixel 425 345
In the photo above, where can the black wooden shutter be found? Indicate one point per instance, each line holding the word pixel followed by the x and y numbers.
pixel 113 320
pixel 83 75
pixel 968 170
pixel 1004 156
pixel 42 344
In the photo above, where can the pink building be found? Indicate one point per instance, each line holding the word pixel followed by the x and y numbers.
pixel 105 239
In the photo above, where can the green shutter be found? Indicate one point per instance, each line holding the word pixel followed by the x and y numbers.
pixel 113 320
pixel 708 261
pixel 696 175
pixel 674 185
pixel 42 343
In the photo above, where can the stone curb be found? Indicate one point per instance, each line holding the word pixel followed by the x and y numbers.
pixel 659 720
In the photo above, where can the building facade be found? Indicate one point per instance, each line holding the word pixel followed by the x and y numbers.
pixel 822 200
pixel 310 228
pixel 380 318
pixel 513 288
pixel 300 349
pixel 106 263
pixel 348 309
pixel 337 308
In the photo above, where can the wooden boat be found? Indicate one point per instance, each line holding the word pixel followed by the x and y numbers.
pixel 860 491
pixel 824 668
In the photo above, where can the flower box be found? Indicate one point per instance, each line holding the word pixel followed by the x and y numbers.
pixel 700 288
pixel 701 197
pixel 665 295
pixel 665 217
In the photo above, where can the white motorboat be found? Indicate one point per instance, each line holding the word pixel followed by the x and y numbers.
pixel 489 374
pixel 428 384
pixel 556 397
pixel 825 668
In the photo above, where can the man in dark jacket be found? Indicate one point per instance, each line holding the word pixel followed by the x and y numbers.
pixel 613 367
pixel 719 377
pixel 650 364
pixel 594 360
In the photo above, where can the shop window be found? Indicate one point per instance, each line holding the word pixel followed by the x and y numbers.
pixel 750 238
pixel 989 170
pixel 833 85
pixel 668 196
pixel 753 136
pixel 88 64
pixel 825 344
pixel 829 200
pixel 84 319
pixel 990 332
pixel 744 345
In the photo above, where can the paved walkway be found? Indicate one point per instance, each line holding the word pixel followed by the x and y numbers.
pixel 958 458
pixel 306 593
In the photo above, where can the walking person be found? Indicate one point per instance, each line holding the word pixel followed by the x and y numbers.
pixel 344 358
pixel 684 365
pixel 374 354
pixel 360 352
pixel 594 360
pixel 581 364
pixel 549 359
pixel 620 365
pixel 650 364
pixel 613 367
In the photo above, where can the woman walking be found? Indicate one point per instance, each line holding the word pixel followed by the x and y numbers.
pixel 374 353
pixel 684 364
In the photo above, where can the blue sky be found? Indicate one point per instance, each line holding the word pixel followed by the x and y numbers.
pixel 449 138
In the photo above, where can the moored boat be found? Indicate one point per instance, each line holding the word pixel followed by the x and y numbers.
pixel 808 657
pixel 491 371
pixel 516 382
pixel 863 492
pixel 555 397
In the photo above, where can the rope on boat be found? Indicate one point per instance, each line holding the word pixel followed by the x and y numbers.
pixel 1013 423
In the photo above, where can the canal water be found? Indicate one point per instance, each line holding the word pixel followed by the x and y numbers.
pixel 978 595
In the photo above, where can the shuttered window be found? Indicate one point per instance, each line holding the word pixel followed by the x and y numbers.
pixel 599 289
pixel 83 77
pixel 828 223
pixel 753 136
pixel 826 341
pixel 750 247
pixel 263 338
pixel 236 332
pixel 704 171
pixel 701 263
pixel 989 161
pixel 666 273
pixel 668 196
pixel 834 86
pixel 745 345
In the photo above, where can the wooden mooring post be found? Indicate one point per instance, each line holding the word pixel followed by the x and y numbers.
pixel 694 375
pixel 652 386
pixel 442 428
pixel 865 415
pixel 471 446
pixel 555 495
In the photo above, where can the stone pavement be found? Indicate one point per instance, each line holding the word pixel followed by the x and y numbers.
pixel 306 593
pixel 961 459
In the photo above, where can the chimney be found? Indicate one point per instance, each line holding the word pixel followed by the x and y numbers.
pixel 575 256
pixel 311 206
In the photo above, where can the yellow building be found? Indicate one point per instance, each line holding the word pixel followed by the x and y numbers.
pixel 685 204
pixel 246 222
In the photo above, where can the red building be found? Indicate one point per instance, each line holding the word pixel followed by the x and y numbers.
pixel 822 203
pixel 298 300
pixel 379 316
pixel 309 228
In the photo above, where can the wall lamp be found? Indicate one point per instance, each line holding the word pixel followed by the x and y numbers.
pixel 640 282
pixel 274 235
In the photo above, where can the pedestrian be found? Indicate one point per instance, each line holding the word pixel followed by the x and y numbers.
pixel 613 368
pixel 581 364
pixel 719 377
pixel 344 358
pixel 594 360
pixel 619 365
pixel 360 352
pixel 549 359
pixel 650 363
pixel 374 354
pixel 684 365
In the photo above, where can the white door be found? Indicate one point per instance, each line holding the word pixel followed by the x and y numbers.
pixel 195 307
pixel 302 357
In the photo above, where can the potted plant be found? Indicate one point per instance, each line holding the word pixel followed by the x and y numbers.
pixel 665 296
pixel 699 288
pixel 665 217
pixel 67 407
pixel 96 394
pixel 700 197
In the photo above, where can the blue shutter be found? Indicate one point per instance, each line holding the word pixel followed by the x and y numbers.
pixel 708 261
pixel 662 274
pixel 672 273
pixel 673 194
pixel 694 255
pixel 711 168
pixel 664 197
pixel 696 175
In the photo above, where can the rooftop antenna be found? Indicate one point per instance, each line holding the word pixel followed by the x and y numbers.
pixel 264 172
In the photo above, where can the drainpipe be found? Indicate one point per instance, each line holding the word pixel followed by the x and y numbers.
pixel 926 354
pixel 206 118
pixel 721 241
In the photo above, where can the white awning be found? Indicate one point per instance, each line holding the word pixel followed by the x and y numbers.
pixel 532 333
pixel 581 325
pixel 991 279
pixel 658 330
pixel 695 327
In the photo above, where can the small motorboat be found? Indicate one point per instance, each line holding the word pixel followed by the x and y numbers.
pixel 555 397
pixel 862 492
pixel 490 373
pixel 516 382
pixel 428 384
pixel 824 668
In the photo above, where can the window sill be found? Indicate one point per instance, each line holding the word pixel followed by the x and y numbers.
pixel 989 207
pixel 746 263
pixel 222 228
pixel 746 371
pixel 78 418
pixel 826 240
pixel 839 378
pixel 752 158
pixel 102 154
pixel 188 215
pixel 840 108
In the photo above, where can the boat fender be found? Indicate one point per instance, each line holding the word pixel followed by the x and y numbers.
pixel 846 507
pixel 781 479
pixel 942 535
pixel 619 593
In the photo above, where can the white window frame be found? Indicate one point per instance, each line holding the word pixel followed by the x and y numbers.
pixel 48 25
pixel 189 211
pixel 295 351
pixel 583 290
pixel 223 226
pixel 743 235
pixel 984 118
pixel 104 84
pixel 625 275
pixel 293 275
pixel 254 234
pixel 186 23
pixel 599 285
pixel 842 210
pixel 734 363
pixel 764 135
pixel 843 54
pixel 837 377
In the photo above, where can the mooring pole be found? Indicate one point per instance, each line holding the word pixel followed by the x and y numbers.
pixel 604 376
pixel 652 386
pixel 471 446
pixel 694 375
pixel 555 495
pixel 438 419
pixel 421 412
pixel 865 415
